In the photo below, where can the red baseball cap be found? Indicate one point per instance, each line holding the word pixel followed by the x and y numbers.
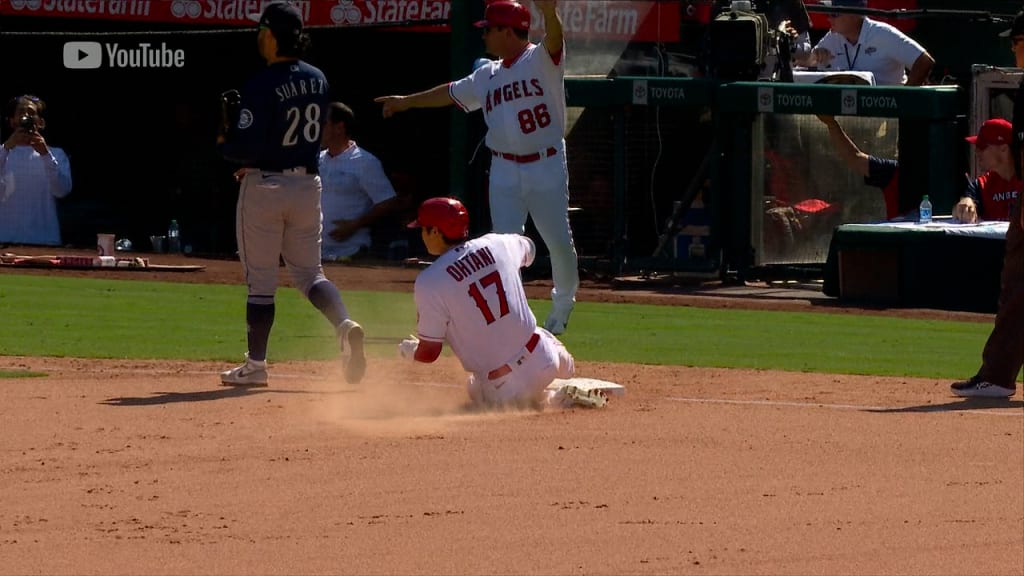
pixel 992 132
pixel 505 13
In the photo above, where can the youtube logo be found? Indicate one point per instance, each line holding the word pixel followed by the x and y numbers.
pixel 89 55
pixel 83 55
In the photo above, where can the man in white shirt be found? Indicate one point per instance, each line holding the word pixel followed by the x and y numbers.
pixel 33 175
pixel 858 43
pixel 356 191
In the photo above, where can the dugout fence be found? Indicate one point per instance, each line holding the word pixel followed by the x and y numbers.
pixel 687 175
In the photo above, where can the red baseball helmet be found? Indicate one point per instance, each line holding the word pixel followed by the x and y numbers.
pixel 446 214
pixel 505 13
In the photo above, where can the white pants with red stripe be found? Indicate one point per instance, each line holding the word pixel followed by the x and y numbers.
pixel 527 377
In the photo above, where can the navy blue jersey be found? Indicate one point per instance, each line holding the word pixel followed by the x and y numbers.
pixel 281 118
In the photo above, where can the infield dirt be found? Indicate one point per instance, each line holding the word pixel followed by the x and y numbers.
pixel 146 467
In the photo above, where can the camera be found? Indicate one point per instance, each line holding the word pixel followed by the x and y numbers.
pixel 743 46
pixel 27 123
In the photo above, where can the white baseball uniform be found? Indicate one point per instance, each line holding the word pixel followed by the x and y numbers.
pixel 881 49
pixel 472 297
pixel 523 101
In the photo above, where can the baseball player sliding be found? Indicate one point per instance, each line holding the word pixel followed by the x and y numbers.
pixel 276 138
pixel 472 296
pixel 522 95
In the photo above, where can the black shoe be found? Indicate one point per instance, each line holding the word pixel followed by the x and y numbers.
pixel 977 388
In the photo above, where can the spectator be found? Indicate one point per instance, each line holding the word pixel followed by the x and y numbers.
pixel 990 196
pixel 356 192
pixel 33 175
pixel 858 43
pixel 882 173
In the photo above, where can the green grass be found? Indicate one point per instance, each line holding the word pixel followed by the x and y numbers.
pixel 21 374
pixel 95 318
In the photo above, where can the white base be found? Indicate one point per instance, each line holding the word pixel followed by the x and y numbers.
pixel 609 388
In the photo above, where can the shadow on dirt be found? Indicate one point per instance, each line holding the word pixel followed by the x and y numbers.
pixel 955 406
pixel 208 395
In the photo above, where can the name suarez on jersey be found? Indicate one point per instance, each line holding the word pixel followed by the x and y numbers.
pixel 513 91
pixel 465 266
pixel 300 88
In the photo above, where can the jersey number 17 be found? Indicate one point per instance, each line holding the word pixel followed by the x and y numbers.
pixel 475 292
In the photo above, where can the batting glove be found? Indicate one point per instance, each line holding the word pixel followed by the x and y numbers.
pixel 407 349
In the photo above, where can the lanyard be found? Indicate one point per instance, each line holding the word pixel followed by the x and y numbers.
pixel 850 65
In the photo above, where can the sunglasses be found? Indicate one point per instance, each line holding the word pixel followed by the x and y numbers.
pixel 1017 39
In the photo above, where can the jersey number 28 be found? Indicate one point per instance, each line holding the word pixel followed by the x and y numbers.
pixel 310 129
pixel 492 279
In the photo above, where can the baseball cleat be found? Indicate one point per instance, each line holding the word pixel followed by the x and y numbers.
pixel 975 388
pixel 352 337
pixel 253 373
pixel 557 321
pixel 587 398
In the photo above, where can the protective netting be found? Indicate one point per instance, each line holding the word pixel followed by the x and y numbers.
pixel 801 187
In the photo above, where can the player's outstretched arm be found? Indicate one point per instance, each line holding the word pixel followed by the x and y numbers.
pixel 553 36
pixel 852 155
pixel 436 97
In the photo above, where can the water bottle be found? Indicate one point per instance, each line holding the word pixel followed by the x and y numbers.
pixel 925 211
pixel 173 239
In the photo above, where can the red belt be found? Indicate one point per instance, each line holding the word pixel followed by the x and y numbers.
pixel 531 344
pixel 526 158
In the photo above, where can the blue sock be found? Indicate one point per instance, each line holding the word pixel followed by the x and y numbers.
pixel 259 318
pixel 325 296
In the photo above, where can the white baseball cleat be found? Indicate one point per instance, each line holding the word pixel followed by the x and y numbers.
pixel 351 335
pixel 253 373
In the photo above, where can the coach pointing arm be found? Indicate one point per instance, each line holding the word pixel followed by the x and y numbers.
pixel 436 97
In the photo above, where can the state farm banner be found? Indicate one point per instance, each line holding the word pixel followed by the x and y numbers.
pixel 644 21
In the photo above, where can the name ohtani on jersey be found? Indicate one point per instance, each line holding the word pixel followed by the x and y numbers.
pixel 473 262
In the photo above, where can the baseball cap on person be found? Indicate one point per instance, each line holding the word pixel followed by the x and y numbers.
pixel 992 132
pixel 283 19
pixel 446 214
pixel 505 13
pixel 1018 26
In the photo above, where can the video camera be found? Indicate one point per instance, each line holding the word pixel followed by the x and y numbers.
pixel 744 46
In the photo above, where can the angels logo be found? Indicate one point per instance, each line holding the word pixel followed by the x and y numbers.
pixel 191 8
pixel 346 13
